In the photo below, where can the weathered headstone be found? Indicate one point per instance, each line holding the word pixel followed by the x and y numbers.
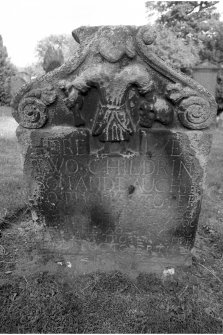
pixel 115 146
pixel 219 92
pixel 206 75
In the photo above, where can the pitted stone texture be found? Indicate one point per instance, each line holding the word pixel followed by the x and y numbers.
pixel 115 146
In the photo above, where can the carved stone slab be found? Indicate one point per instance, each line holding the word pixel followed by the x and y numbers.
pixel 115 145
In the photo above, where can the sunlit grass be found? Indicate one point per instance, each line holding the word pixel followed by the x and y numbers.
pixel 12 187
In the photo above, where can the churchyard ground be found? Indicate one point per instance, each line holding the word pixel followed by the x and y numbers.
pixel 12 196
pixel 37 295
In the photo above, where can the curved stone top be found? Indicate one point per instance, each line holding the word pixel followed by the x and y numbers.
pixel 115 60
pixel 113 42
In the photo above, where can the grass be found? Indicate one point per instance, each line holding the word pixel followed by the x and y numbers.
pixel 13 194
pixel 49 304
pixel 37 295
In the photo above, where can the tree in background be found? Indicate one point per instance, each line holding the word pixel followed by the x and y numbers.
pixel 34 70
pixel 63 42
pixel 188 19
pixel 195 23
pixel 213 43
pixel 174 50
pixel 53 58
pixel 7 70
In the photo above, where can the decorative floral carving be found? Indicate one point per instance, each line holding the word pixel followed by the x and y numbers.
pixel 193 111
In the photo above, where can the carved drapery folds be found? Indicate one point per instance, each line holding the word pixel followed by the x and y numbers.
pixel 113 60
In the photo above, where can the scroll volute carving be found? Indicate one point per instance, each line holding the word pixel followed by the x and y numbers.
pixel 192 110
pixel 32 109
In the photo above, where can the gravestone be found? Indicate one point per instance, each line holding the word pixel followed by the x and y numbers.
pixel 115 146
pixel 206 74
pixel 219 92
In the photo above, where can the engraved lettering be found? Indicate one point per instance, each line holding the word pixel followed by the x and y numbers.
pixel 51 183
pixel 97 167
pixel 52 198
pixel 71 166
pixel 113 166
pixel 56 163
pixel 82 146
pixel 148 184
pixel 68 198
pixel 162 165
pixel 81 186
pixel 158 201
pixel 67 147
pixel 52 145
pixel 136 167
pixel 162 185
pixel 149 167
pixel 184 168
pixel 175 150
pixel 95 183
pixel 108 184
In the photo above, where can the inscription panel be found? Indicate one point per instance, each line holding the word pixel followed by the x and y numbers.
pixel 147 200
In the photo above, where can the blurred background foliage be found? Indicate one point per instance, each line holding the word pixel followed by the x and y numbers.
pixel 189 32
pixel 7 70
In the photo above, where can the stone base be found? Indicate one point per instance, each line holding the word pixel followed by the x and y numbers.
pixel 83 257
